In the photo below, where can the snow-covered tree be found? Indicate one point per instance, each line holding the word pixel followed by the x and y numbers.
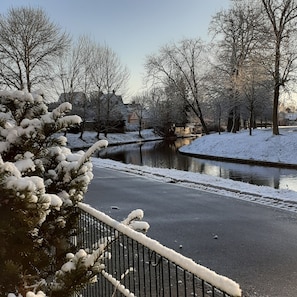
pixel 41 183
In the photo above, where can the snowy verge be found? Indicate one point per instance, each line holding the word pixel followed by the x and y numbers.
pixel 280 198
pixel 262 145
pixel 89 138
pixel 221 282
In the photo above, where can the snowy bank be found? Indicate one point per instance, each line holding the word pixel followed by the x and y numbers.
pixel 281 198
pixel 89 138
pixel 261 146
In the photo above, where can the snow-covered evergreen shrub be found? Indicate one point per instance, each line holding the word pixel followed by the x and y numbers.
pixel 41 183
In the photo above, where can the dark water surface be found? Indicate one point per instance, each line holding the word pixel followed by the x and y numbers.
pixel 164 154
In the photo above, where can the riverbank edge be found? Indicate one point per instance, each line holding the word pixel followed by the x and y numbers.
pixel 118 143
pixel 113 142
pixel 241 161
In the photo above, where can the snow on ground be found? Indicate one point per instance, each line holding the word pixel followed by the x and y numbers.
pixel 262 145
pixel 90 138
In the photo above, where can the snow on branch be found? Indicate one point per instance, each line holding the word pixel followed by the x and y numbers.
pixel 134 221
pixel 68 121
pixel 41 180
pixel 117 284
pixel 29 294
pixel 98 145
pixel 61 110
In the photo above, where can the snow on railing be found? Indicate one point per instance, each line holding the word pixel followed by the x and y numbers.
pixel 215 281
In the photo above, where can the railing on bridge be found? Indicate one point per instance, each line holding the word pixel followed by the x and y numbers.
pixel 140 266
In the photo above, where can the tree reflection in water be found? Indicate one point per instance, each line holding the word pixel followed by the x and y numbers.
pixel 164 154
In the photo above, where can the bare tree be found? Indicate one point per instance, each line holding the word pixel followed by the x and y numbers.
pixel 181 62
pixel 29 45
pixel 139 105
pixel 255 88
pixel 217 93
pixel 159 111
pixel 87 63
pixel 238 40
pixel 113 74
pixel 282 20
pixel 108 75
pixel 93 70
pixel 69 72
pixel 165 110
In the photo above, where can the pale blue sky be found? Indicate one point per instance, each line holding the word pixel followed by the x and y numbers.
pixel 132 28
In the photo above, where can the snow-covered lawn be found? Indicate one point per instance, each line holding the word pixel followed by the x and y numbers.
pixel 262 145
pixel 90 138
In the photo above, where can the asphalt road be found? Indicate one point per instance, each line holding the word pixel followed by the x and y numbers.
pixel 252 244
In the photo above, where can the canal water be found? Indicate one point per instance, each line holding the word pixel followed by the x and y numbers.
pixel 164 154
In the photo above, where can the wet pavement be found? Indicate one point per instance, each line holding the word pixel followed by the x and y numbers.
pixel 252 244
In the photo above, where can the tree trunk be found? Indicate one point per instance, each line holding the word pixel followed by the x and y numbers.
pixel 251 123
pixel 204 127
pixel 82 127
pixel 233 121
pixel 139 131
pixel 275 129
pixel 198 112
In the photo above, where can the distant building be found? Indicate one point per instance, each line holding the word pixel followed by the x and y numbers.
pixel 136 113
pixel 292 116
pixel 77 99
pixel 106 111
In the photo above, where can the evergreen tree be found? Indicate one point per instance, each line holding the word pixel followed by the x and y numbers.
pixel 41 183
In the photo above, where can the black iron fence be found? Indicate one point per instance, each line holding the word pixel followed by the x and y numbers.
pixel 136 265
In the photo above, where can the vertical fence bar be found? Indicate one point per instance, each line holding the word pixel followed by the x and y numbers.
pixel 185 283
pixel 150 272
pixel 169 277
pixel 138 268
pixel 143 271
pixel 176 280
pixel 203 285
pixel 155 265
pixel 161 276
pixel 193 285
pixel 134 266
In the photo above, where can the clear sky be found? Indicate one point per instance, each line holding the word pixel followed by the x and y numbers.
pixel 132 28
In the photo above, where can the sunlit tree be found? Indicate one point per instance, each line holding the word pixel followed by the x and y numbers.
pixel 281 21
pixel 30 45
pixel 236 30
pixel 181 62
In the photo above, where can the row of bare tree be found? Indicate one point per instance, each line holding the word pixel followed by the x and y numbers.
pixel 91 67
pixel 251 59
pixel 35 52
pixel 241 74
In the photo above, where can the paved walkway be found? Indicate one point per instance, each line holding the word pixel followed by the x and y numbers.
pixel 253 244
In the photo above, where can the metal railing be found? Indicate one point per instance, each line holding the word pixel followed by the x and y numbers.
pixel 139 266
